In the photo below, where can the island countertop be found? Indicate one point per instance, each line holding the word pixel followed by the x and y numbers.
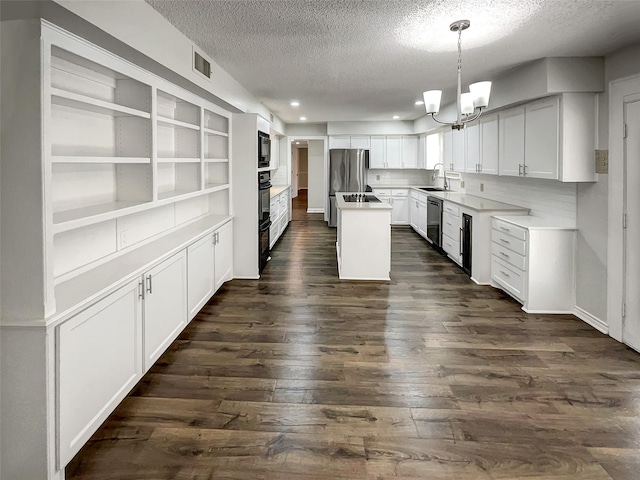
pixel 342 205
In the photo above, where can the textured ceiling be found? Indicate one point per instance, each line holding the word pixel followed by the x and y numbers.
pixel 371 59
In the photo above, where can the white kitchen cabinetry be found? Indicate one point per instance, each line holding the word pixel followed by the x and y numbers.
pixel 447 149
pixel 489 146
pixel 128 170
pixel 512 142
pixel 200 268
pixel 99 360
pixel 274 160
pixel 209 265
pixel 280 215
pixel 398 198
pixel 346 141
pixel 533 261
pixel 451 228
pixel 458 150
pixel 541 139
pixel 377 152
pixel 418 212
pixel 553 138
pixel 422 151
pixel 165 306
pixel 472 160
pixel 223 255
pixel 409 151
pixel 394 152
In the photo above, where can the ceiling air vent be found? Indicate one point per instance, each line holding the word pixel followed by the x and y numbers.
pixel 201 65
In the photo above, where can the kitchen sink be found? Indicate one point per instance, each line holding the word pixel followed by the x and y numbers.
pixel 432 189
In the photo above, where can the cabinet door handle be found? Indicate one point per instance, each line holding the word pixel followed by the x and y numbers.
pixel 149 285
pixel 504 254
pixel 140 290
pixel 504 241
pixel 519 169
pixel 505 273
pixel 461 234
pixel 526 170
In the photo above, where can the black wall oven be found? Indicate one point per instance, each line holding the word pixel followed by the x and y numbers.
pixel 264 216
pixel 264 150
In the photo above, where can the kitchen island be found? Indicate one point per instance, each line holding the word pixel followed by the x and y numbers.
pixel 364 237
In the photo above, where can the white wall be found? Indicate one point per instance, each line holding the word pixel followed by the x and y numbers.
pixel 316 199
pixel 306 129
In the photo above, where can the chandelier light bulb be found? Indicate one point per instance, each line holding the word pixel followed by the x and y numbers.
pixel 432 101
pixel 480 91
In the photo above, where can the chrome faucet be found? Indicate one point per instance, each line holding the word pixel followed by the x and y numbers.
pixel 444 174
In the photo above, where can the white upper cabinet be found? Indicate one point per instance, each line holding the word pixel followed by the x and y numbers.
pixel 377 152
pixel 458 152
pixel 394 152
pixel 541 139
pixel 410 151
pixel 489 149
pixel 361 142
pixel 340 142
pixel 472 163
pixel 512 142
pixel 553 138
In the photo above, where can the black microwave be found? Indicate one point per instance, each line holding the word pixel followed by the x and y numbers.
pixel 264 150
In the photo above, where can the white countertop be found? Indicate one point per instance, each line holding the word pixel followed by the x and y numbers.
pixel 399 186
pixel 476 203
pixel 538 223
pixel 342 205
pixel 277 190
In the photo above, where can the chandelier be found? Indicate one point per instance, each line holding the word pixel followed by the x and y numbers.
pixel 470 104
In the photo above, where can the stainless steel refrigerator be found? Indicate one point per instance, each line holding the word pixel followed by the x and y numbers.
pixel 347 173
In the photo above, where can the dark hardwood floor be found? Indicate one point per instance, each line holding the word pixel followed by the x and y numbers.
pixel 302 376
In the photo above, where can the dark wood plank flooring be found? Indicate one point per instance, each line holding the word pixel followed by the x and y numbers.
pixel 302 376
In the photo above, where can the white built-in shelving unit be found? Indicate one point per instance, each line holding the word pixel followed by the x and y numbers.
pixel 117 227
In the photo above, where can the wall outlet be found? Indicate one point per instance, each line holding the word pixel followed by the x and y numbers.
pixel 123 239
pixel 377 177
pixel 482 187
pixel 602 161
pixel 461 183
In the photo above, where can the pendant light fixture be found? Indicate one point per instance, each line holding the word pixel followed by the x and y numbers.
pixel 470 104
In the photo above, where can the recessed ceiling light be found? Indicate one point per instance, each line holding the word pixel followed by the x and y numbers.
pixel 297 143
pixel 419 102
pixel 396 117
pixel 295 103
pixel 303 118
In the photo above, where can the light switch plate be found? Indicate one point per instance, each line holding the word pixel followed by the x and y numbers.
pixel 602 161
pixel 482 187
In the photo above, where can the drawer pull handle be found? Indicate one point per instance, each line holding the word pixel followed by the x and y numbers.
pixel 448 224
pixel 505 229
pixel 504 241
pixel 504 254
pixel 504 273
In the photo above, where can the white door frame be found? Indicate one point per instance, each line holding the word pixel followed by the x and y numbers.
pixel 325 140
pixel 620 91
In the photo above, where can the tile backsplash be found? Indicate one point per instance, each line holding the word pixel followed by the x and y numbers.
pixel 398 177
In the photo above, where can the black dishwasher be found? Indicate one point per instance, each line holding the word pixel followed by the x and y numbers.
pixel 465 245
pixel 434 221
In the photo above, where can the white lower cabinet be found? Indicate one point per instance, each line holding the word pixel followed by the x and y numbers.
pixel 451 228
pixel 223 255
pixel 398 198
pixel 414 210
pixel 99 354
pixel 165 306
pixel 280 217
pixel 534 263
pixel 200 268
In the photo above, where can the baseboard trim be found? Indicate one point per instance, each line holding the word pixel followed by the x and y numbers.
pixel 592 320
pixel 315 210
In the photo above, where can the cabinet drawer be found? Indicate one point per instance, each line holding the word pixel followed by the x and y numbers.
pixel 451 247
pixel 400 192
pixel 382 191
pixel 451 225
pixel 510 229
pixel 509 256
pixel 451 208
pixel 508 277
pixel 507 241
